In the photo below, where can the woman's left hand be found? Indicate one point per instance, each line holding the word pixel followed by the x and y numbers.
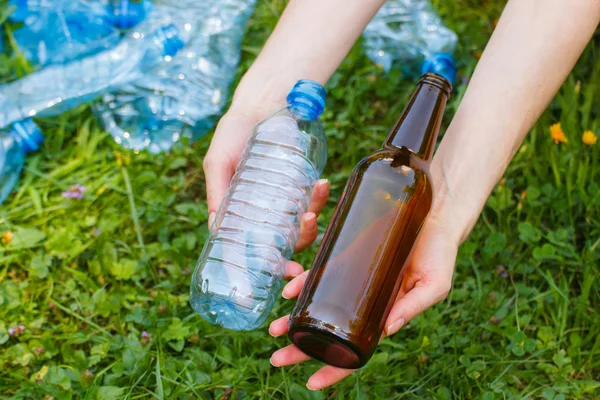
pixel 426 279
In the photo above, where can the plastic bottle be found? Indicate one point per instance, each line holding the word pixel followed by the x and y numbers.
pixel 23 137
pixel 58 88
pixel 240 270
pixel 410 33
pixel 181 99
pixel 354 280
pixel 58 31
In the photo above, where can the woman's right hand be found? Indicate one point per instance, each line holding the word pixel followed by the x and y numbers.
pixel 233 131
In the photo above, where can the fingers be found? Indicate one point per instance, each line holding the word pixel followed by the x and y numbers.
pixel 279 326
pixel 226 147
pixel 289 355
pixel 292 270
pixel 414 302
pixel 319 197
pixel 309 228
pixel 327 376
pixel 308 231
pixel 293 288
pixel 218 172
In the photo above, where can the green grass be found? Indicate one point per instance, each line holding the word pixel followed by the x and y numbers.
pixel 87 277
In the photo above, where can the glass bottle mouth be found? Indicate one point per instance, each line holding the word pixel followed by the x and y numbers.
pixel 28 133
pixel 438 81
pixel 307 99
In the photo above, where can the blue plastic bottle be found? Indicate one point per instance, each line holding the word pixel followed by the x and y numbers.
pixel 58 31
pixel 240 270
pixel 57 88
pixel 22 138
pixel 411 34
pixel 181 99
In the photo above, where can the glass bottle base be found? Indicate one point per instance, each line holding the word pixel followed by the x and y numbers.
pixel 323 345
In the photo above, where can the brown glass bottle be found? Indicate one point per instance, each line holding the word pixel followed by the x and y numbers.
pixel 340 314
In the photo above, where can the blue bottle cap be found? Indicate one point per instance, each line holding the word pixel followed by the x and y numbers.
pixel 128 13
pixel 168 37
pixel 442 64
pixel 308 97
pixel 29 133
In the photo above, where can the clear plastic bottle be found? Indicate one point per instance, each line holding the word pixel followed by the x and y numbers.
pixel 57 88
pixel 240 270
pixel 410 33
pixel 23 137
pixel 183 98
pixel 58 31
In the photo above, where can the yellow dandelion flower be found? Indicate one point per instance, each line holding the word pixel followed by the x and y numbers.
pixel 589 138
pixel 7 237
pixel 558 135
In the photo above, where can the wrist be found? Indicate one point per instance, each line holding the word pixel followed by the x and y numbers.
pixel 456 203
pixel 260 94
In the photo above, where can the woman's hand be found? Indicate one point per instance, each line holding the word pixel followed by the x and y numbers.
pixel 223 156
pixel 426 279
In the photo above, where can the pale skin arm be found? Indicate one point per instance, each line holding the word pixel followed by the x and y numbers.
pixel 535 45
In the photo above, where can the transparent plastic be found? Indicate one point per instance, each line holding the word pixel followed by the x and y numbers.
pixel 58 31
pixel 408 33
pixel 239 273
pixel 184 97
pixel 23 137
pixel 57 88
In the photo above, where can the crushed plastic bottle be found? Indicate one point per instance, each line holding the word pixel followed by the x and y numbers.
pixel 240 270
pixel 411 33
pixel 58 31
pixel 184 97
pixel 22 138
pixel 57 88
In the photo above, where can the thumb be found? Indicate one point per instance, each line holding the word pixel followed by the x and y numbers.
pixel 218 172
pixel 422 296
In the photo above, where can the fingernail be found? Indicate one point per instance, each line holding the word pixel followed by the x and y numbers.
pixel 211 219
pixel 283 294
pixel 323 183
pixel 310 388
pixel 273 363
pixel 395 326
pixel 309 217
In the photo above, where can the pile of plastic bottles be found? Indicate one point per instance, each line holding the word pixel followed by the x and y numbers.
pixel 409 34
pixel 161 70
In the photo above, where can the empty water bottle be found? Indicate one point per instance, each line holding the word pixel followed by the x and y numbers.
pixel 23 137
pixel 58 87
pixel 183 98
pixel 240 270
pixel 412 34
pixel 58 31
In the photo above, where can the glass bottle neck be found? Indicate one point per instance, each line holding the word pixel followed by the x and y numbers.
pixel 417 128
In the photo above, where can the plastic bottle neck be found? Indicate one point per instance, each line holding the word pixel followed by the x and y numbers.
pixel 128 13
pixel 417 128
pixel 306 100
pixel 28 134
pixel 168 40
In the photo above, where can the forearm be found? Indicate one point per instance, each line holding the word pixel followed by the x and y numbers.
pixel 534 47
pixel 310 41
